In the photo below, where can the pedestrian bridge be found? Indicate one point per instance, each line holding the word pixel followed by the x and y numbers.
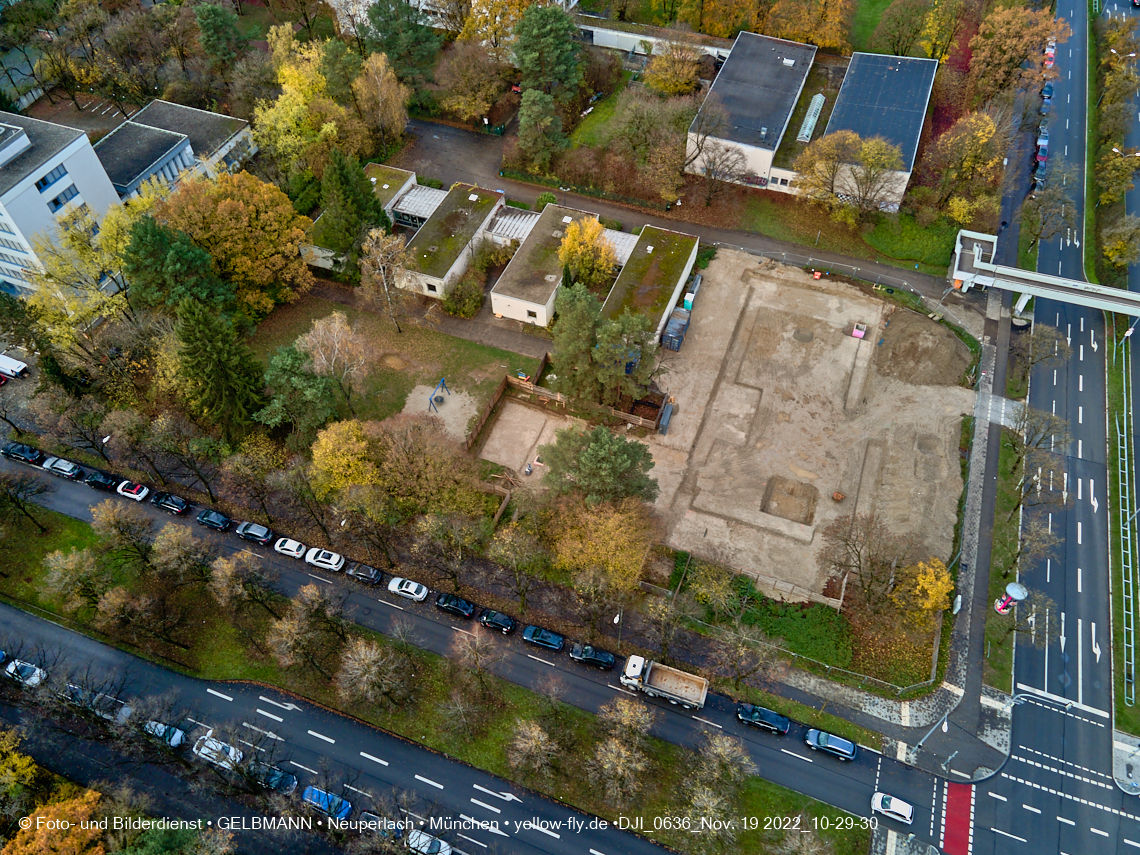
pixel 974 268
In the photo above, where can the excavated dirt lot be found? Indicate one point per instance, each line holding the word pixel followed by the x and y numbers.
pixel 779 407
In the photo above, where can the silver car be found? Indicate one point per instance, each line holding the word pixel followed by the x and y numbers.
pixel 221 754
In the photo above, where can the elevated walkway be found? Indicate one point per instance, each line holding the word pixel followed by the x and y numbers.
pixel 973 268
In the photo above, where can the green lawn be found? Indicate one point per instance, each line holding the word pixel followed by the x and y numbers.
pixel 904 239
pixel 592 130
pixel 22 576
pixel 999 643
pixel 255 21
pixel 397 361
pixel 867 16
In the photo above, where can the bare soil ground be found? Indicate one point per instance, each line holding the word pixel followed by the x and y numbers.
pixel 779 407
pixel 455 411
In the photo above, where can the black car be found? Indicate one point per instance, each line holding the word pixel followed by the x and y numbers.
pixel 497 620
pixel 170 503
pixel 254 533
pixel 272 778
pixel 543 638
pixel 455 605
pixel 214 519
pixel 364 573
pixel 588 655
pixel 763 718
pixel 103 481
pixel 23 453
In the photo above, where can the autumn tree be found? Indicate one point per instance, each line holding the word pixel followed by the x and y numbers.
pixel 66 827
pixel 531 749
pixel 78 577
pixel 599 465
pixel 246 473
pixel 1121 240
pixel 373 674
pixel 311 631
pixel 901 26
pixel 241 580
pixel 224 381
pixel 125 531
pixel 445 542
pixel 1115 171
pixel 400 30
pixel 546 51
pixel 588 253
pixel 820 22
pixel 472 80
pixel 343 456
pixel 1049 210
pixel 147 618
pixel 861 549
pixel 179 557
pixel 1008 50
pixel 614 537
pixel 252 232
pixel 382 100
pixel 922 591
pixel 493 22
pixel 967 157
pixel 18 774
pixel 944 23
pixel 821 166
pixel 874 178
pixel 675 70
pixel 540 129
pixel 336 350
pixel 519 556
pixel 383 256
pixel 478 652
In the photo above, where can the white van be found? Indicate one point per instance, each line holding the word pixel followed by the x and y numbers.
pixel 10 367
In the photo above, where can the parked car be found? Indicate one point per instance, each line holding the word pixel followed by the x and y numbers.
pixel 214 519
pixel 324 559
pixel 327 803
pixel 221 754
pixel 272 778
pixel 1047 91
pixel 1042 153
pixel 818 740
pixel 378 825
pixel 543 638
pixel 292 548
pixel 173 736
pixel 589 655
pixel 170 503
pixel 25 673
pixel 97 480
pixel 62 468
pixel 254 532
pixel 364 573
pixel 23 453
pixel 497 620
pixel 764 719
pixel 131 490
pixel 105 706
pixel 424 844
pixel 12 368
pixel 1043 133
pixel 891 807
pixel 408 588
pixel 455 605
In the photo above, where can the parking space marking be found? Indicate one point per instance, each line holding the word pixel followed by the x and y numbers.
pixel 319 578
pixel 543 661
pixel 429 782
pixel 373 759
pixel 306 768
pixel 392 605
pixel 706 721
pixel 362 792
pixel 321 736
pixel 220 695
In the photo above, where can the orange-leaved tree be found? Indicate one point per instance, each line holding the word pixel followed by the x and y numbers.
pixel 58 829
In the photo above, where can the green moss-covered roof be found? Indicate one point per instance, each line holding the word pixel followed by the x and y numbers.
pixel 386 175
pixel 648 279
pixel 442 238
pixel 535 272
pixel 821 80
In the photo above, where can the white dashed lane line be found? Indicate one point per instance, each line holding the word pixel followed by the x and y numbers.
pixel 219 695
pixel 543 661
pixel 491 808
pixel 534 827
pixel 373 759
pixel 1066 821
pixel 362 792
pixel 306 768
pixel 322 736
pixel 1007 834
pixel 319 578
pixel 794 754
pixel 429 782
pixel 1031 808
pixel 471 840
pixel 269 715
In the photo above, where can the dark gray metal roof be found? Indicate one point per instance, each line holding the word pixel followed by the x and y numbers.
pixel 207 131
pixel 131 150
pixel 885 96
pixel 47 140
pixel 758 86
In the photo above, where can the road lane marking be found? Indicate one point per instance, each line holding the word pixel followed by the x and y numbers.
pixel 1007 834
pixel 1066 821
pixel 507 797
pixel 1058 699
pixel 306 768
pixel 263 732
pixel 543 661
pixel 596 852
pixel 373 759
pixel 269 715
pixel 794 754
pixel 322 736
pixel 1078 578
pixel 1098 831
pixel 220 695
pixel 429 782
pixel 319 578
pixel 1080 415
pixel 1002 798
pixel 250 744
pixel 471 840
pixel 1129 842
pixel 706 721
pixel 392 605
pixel 465 632
pixel 1078 533
pixel 621 689
pixel 362 792
pixel 1080 382
pixel 199 723
pixel 553 834
pixel 286 707
pixel 491 808
pixel 1030 807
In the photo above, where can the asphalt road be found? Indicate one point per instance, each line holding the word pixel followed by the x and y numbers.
pixel 1056 793
pixel 783 760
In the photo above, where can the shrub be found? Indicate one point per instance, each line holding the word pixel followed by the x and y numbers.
pixel 511 203
pixel 466 298
pixel 636 230
pixel 704 255
pixel 545 199
pixel 815 631
pixel 610 224
pixel 429 182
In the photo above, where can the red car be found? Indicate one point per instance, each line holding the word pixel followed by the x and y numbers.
pixel 1042 153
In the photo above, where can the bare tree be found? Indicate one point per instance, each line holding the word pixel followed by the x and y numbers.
pixel 19 493
pixel 862 549
pixel 179 557
pixel 477 652
pixel 1049 211
pixel 723 762
pixel 1042 345
pixel 126 532
pixel 710 123
pixel 461 713
pixel 383 256
pixel 795 842
pixel 627 719
pixel 1036 616
pixel 747 651
pixel 667 616
pixel 598 599
pixel 71 420
pixel 1036 430
pixel 294 482
pixel 444 542
pixel 531 749
pixel 335 349
pixel 713 806
pixel 374 674
pixel 140 617
pixel 1035 540
pixel 242 579
pixel 722 164
pixel 311 632
pixel 519 555
pixel 617 768
pixel 78 577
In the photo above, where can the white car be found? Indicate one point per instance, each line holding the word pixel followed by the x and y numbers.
pixel 292 548
pixel 63 468
pixel 425 844
pixel 168 733
pixel 408 588
pixel 891 807
pixel 133 491
pixel 25 673
pixel 324 559
pixel 221 754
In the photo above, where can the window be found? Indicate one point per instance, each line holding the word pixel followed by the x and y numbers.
pixel 432 289
pixel 11 244
pixel 63 198
pixel 7 229
pixel 11 259
pixel 530 315
pixel 52 177
pixel 12 274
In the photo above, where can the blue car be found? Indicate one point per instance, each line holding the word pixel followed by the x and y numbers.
pixel 327 803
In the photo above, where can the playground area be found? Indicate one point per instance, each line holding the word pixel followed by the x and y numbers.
pixel 454 409
pixel 785 421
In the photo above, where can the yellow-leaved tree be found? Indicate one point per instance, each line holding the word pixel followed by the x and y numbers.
pixel 492 22
pixel 58 829
pixel 611 537
pixel 588 252
pixel 344 456
pixel 17 771
pixel 923 591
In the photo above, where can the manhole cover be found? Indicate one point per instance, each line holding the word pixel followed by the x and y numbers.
pixel 433 249
pixel 803 335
